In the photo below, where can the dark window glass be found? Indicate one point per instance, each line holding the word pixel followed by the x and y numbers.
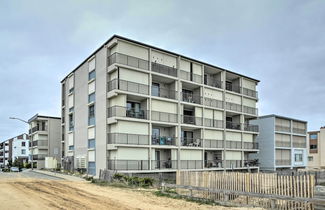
pixel 92 75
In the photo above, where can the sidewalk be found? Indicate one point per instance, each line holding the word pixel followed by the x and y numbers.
pixel 59 175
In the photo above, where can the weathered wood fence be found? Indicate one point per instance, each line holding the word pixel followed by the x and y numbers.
pixel 252 189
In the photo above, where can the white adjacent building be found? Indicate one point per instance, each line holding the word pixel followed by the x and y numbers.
pixel 20 148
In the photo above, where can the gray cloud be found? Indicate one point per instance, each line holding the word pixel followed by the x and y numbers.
pixel 279 42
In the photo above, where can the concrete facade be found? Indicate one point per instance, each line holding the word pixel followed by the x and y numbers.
pixel 45 137
pixel 316 149
pixel 137 108
pixel 283 142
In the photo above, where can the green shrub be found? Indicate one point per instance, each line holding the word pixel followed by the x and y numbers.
pixel 118 177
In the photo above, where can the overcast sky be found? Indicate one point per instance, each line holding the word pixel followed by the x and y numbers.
pixel 281 43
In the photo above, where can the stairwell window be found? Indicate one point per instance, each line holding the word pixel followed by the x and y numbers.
pixel 91 98
pixel 91 115
pixel 91 143
pixel 92 75
pixel 92 168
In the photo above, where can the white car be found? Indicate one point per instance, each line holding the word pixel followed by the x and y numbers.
pixel 14 169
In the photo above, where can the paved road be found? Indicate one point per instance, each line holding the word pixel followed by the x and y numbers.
pixel 27 174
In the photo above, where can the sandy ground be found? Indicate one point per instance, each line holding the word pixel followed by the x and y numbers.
pixel 31 193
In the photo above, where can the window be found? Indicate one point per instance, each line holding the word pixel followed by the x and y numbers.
pixel 205 79
pixel 23 144
pixel 92 168
pixel 91 98
pixel 71 147
pixel 92 75
pixel 310 158
pixel 71 123
pixel 298 157
pixel 91 115
pixel 23 152
pixel 71 109
pixel 91 143
pixel 155 89
pixel 313 136
pixel 71 90
pixel 313 146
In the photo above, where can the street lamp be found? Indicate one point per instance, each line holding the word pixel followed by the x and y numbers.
pixel 30 137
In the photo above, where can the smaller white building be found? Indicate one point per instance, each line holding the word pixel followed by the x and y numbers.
pixel 20 148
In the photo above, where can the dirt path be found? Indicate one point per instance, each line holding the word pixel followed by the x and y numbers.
pixel 52 194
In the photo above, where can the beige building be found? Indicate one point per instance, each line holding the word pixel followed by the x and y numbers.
pixel 316 150
pixel 134 107
pixel 45 139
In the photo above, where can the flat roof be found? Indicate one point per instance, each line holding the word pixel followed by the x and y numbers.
pixel 14 137
pixel 279 116
pixel 43 116
pixel 157 48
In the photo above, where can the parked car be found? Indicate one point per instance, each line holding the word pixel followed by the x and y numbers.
pixel 14 169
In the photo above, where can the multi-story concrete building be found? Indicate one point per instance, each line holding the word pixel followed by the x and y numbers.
pixel 45 139
pixel 5 152
pixel 134 107
pixel 282 141
pixel 316 150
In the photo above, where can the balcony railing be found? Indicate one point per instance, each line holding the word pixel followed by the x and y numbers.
pixel 163 69
pixel 126 138
pixel 37 128
pixel 213 123
pixel 190 77
pixel 191 164
pixel 213 164
pixel 251 163
pixel 250 145
pixel 214 83
pixel 299 130
pixel 249 92
pixel 233 107
pixel 299 144
pixel 250 110
pixel 233 125
pixel 164 116
pixel 126 165
pixel 120 111
pixel 163 164
pixel 191 142
pixel 233 163
pixel 191 98
pixel 213 103
pixel 282 143
pixel 187 119
pixel 210 143
pixel 128 60
pixel 282 128
pixel 39 157
pixel 128 86
pixel 163 140
pixel 233 144
pixel 164 93
pixel 281 162
pixel 253 128
pixel 40 143
pixel 233 88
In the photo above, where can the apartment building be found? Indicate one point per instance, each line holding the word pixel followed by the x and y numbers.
pixel 5 152
pixel 316 149
pixel 45 139
pixel 282 141
pixel 138 108
pixel 20 148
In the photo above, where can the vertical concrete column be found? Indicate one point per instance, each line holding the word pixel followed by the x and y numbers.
pixel 179 88
pixel 242 121
pixel 223 82
pixel 149 111
pixel 203 108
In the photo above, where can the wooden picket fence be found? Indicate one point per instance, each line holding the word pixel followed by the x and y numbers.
pixel 251 189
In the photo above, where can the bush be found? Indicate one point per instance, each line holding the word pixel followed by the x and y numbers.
pixel 134 181
pixel 118 177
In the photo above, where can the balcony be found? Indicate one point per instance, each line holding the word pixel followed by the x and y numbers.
pixel 233 107
pixel 213 103
pixel 233 163
pixel 233 125
pixel 233 144
pixel 251 163
pixel 211 143
pixel 282 128
pixel 188 119
pixel 128 86
pixel 214 83
pixel 232 87
pixel 191 98
pixel 213 164
pixel 299 130
pixel 299 144
pixel 190 77
pixel 281 162
pixel 249 92
pixel 252 128
pixel 191 142
pixel 39 157
pixel 213 123
pixel 191 164
pixel 120 111
pixel 164 117
pixel 164 93
pixel 163 164
pixel 250 110
pixel 282 143
pixel 163 69
pixel 37 128
pixel 40 143
pixel 125 138
pixel 128 60
pixel 126 165
pixel 250 145
pixel 163 140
